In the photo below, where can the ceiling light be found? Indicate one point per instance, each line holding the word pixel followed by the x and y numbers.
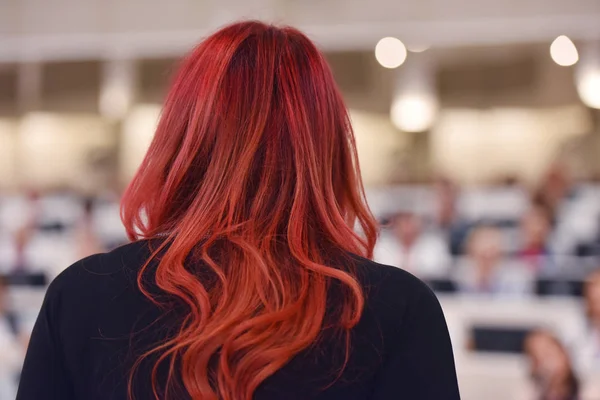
pixel 390 52
pixel 563 51
pixel 414 112
pixel 588 87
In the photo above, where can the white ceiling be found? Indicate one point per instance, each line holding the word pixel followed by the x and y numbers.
pixel 75 29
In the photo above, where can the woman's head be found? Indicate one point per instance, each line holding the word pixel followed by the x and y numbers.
pixel 550 366
pixel 484 247
pixel 254 138
pixel 407 228
pixel 546 353
pixel 253 174
pixel 536 225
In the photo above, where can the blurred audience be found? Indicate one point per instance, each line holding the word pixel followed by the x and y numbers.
pixel 409 247
pixel 465 249
pixel 485 269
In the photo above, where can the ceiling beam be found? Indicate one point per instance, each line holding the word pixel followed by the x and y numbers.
pixel 353 37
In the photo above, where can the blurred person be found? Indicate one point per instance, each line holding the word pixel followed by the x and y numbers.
pixel 535 227
pixel 39 247
pixel 551 371
pixel 445 192
pixel 11 345
pixel 555 187
pixel 88 242
pixel 25 233
pixel 410 248
pixel 246 278
pixel 22 239
pixel 510 181
pixel 589 343
pixel 446 218
pixel 486 270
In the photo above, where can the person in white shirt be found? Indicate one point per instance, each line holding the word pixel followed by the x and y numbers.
pixel 407 246
pixel 486 270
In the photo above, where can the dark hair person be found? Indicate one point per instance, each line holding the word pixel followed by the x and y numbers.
pixel 551 370
pixel 245 278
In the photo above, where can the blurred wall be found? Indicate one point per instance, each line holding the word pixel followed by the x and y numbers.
pixel 60 150
pixel 72 41
pixel 138 131
pixel 8 145
pixel 378 145
pixel 475 146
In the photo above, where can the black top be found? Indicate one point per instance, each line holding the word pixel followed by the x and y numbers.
pixel 94 324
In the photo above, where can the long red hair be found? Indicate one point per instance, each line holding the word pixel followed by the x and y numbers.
pixel 253 175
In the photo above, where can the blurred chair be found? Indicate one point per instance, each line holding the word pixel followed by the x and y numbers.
pixel 26 279
pixel 59 211
pixel 499 339
pixel 559 287
pixel 391 200
pixel 562 315
pixel 14 212
pixel 50 253
pixel 500 375
pixel 492 204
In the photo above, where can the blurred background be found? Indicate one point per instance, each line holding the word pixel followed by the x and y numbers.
pixel 478 127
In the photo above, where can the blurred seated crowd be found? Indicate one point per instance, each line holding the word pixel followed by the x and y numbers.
pixel 516 269
pixel 510 244
pixel 40 235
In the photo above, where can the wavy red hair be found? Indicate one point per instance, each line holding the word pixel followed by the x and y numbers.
pixel 253 175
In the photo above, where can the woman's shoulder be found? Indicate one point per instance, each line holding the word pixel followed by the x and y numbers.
pixel 121 264
pixel 96 281
pixel 389 281
pixel 118 262
pixel 91 280
pixel 392 293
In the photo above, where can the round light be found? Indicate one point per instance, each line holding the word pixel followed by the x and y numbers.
pixel 588 87
pixel 390 52
pixel 563 51
pixel 413 112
